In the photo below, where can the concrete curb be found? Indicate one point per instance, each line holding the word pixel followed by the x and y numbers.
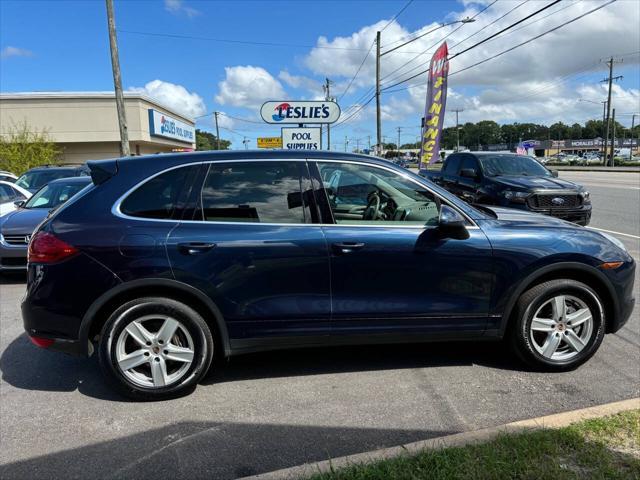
pixel 459 439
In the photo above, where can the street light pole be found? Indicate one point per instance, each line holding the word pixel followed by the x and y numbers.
pixel 217 132
pixel 117 82
pixel 378 124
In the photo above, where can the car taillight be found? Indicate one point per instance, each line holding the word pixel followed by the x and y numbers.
pixel 41 342
pixel 47 248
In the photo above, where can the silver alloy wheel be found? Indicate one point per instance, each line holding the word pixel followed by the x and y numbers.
pixel 561 327
pixel 154 351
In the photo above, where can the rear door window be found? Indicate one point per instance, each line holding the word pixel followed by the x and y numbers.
pixel 452 165
pixel 163 196
pixel 257 192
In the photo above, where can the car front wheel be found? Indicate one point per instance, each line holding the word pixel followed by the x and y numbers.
pixel 559 325
pixel 155 348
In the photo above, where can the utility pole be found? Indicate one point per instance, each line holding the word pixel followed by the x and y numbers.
pixel 613 137
pixel 633 124
pixel 369 137
pixel 357 145
pixel 378 124
pixel 217 131
pixel 246 143
pixel 117 82
pixel 327 97
pixel 457 110
pixel 604 115
pixel 398 149
pixel 346 142
pixel 606 136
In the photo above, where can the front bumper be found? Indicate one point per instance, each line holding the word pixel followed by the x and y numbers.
pixel 579 215
pixel 12 257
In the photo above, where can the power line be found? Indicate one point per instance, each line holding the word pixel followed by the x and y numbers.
pixel 432 46
pixel 506 28
pixel 397 15
pixel 235 41
pixel 354 113
pixel 509 49
pixel 357 71
pixel 489 24
pixel 535 38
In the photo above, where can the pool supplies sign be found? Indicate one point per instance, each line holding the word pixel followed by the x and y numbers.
pixel 301 138
pixel 292 111
pixel 435 106
pixel 163 125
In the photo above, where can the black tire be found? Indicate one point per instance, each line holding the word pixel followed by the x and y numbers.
pixel 135 309
pixel 526 307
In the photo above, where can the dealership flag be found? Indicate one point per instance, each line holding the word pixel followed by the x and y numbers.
pixel 434 110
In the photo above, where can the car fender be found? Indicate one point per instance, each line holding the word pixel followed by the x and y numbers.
pixel 531 279
pixel 146 283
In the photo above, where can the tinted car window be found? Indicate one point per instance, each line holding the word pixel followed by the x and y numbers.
pixel 34 180
pixel 54 194
pixel 8 194
pixel 265 192
pixel 469 161
pixel 494 165
pixel 452 165
pixel 362 194
pixel 161 197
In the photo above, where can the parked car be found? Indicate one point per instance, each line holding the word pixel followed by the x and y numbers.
pixel 7 176
pixel 165 260
pixel 514 181
pixel 9 195
pixel 38 177
pixel 17 227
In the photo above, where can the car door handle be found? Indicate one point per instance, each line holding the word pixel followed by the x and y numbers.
pixel 347 247
pixel 194 248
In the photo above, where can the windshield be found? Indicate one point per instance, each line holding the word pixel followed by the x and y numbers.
pixel 34 180
pixel 54 194
pixel 494 165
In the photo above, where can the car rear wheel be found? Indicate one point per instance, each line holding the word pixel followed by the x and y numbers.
pixel 155 348
pixel 558 326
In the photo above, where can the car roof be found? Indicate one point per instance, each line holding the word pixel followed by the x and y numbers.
pixel 57 167
pixel 171 159
pixel 71 180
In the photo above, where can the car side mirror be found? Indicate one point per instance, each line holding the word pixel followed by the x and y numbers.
pixel 19 203
pixel 469 173
pixel 450 221
pixel 554 173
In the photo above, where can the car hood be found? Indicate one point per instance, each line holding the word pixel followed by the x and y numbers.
pixel 22 221
pixel 534 183
pixel 521 217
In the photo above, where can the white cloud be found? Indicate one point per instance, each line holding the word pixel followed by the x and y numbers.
pixel 248 86
pixel 174 96
pixel 299 81
pixel 9 51
pixel 177 7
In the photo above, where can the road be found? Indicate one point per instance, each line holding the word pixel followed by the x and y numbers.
pixel 268 411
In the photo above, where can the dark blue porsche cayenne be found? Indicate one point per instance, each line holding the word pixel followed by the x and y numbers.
pixel 163 261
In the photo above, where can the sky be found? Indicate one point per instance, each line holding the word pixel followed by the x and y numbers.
pixel 231 56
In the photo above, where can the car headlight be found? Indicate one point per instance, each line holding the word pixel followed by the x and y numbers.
pixel 614 240
pixel 515 197
pixel 586 196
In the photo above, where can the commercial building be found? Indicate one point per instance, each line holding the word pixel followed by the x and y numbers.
pixel 85 124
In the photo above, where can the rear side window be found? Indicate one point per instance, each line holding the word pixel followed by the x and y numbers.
pixel 163 196
pixel 452 165
pixel 259 192
pixel 469 162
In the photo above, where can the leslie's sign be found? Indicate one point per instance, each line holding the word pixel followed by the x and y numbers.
pixel 162 125
pixel 300 112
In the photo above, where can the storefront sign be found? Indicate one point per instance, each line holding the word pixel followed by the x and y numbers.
pixel 269 142
pixel 163 125
pixel 301 138
pixel 300 112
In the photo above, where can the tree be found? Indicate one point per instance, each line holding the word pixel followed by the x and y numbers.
pixel 22 148
pixel 575 131
pixel 408 146
pixel 559 131
pixel 207 141
pixel 389 146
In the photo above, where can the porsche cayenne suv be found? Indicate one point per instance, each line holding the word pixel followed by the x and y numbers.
pixel 164 265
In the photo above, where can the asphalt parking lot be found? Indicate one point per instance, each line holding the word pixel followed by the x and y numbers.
pixel 267 411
